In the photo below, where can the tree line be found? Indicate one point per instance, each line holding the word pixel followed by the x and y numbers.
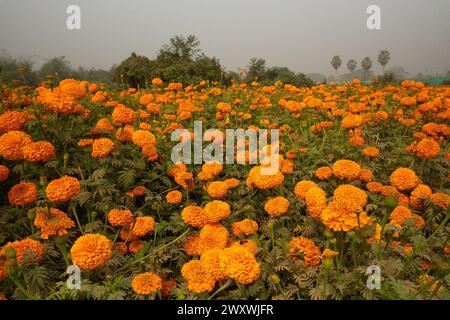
pixel 180 60
pixel 366 64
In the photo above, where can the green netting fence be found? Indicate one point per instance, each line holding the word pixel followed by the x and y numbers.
pixel 435 80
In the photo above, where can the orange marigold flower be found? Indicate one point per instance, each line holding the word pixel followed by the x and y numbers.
pixel 277 206
pixel 3 273
pixel 167 287
pixel 153 108
pixel 53 222
pixel 365 175
pixel 291 155
pixel 346 169
pixel 121 218
pixel 14 120
pixel 420 193
pixel 12 143
pixel 143 226
pixel 371 152
pixel 211 262
pixel 264 181
pixel 356 140
pixel 138 191
pixel 447 249
pixel 157 82
pixel 316 201
pixel 198 277
pixel 192 245
pixel 223 107
pixel 102 147
pixel 239 264
pixel 232 183
pixel 135 246
pixel 352 121
pixel 403 199
pixel 213 236
pixel 23 193
pixel 150 152
pixel 185 180
pixel 342 216
pixel 143 137
pixel 25 248
pixel 194 216
pixel 375 187
pixel 427 148
pixel 174 197
pixel 146 283
pixel 401 214
pixel 324 173
pixel 72 87
pixel 63 189
pixel 353 195
pixel 287 167
pixel 302 187
pixel 91 251
pixel 4 173
pixel 123 115
pixel 125 134
pixel 145 126
pixel 104 126
pixel 85 142
pixel 39 151
pixel 245 227
pixel 380 115
pixel 311 253
pixel 404 179
pixel 217 189
pixel 441 200
pixel 210 170
pixel 216 210
pixel 99 96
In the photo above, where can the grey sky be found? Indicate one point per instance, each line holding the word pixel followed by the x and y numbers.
pixel 302 35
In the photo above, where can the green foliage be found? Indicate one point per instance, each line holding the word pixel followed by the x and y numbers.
pixel 16 69
pixel 386 78
pixel 58 67
pixel 134 70
pixel 257 71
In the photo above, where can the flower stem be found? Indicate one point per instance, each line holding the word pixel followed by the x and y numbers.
pixel 226 285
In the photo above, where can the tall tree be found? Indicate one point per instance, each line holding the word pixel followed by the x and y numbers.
pixel 134 70
pixel 366 64
pixel 336 62
pixel 58 67
pixel 13 69
pixel 256 69
pixel 383 58
pixel 180 48
pixel 351 65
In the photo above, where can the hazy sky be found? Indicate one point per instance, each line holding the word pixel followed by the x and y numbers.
pixel 300 34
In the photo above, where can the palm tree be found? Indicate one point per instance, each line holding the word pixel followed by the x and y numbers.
pixel 383 58
pixel 366 64
pixel 351 65
pixel 256 69
pixel 336 63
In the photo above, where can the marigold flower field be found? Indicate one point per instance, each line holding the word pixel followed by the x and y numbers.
pixel 87 180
